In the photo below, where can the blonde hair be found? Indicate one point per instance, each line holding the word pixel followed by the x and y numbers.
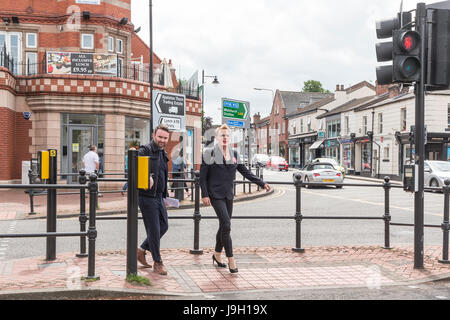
pixel 222 127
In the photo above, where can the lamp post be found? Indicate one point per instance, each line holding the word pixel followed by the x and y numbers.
pixel 262 89
pixel 214 82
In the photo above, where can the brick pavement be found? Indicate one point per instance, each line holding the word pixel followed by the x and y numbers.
pixel 264 268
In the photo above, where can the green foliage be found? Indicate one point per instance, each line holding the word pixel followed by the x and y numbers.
pixel 313 86
pixel 135 279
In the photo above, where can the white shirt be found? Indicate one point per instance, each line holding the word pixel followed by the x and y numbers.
pixel 90 161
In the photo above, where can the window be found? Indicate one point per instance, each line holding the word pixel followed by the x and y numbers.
pixel 31 40
pixel 119 67
pixel 87 41
pixel 119 46
pixel 380 123
pixel 301 125
pixel 13 43
pixel 308 122
pixel 110 44
pixel 31 63
pixel 347 125
pixel 403 119
pixel 386 153
pixel 449 115
pixel 364 125
pixel 334 128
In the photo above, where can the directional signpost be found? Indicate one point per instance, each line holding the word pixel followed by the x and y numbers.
pixel 169 110
pixel 236 113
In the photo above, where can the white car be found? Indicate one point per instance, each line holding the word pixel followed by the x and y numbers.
pixel 260 160
pixel 436 172
pixel 321 172
pixel 335 164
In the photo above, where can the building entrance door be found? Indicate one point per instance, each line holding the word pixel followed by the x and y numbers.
pixel 80 137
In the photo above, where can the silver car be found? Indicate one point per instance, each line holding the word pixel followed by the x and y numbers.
pixel 321 172
pixel 436 172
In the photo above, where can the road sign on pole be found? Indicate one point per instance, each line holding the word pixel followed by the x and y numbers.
pixel 170 110
pixel 236 113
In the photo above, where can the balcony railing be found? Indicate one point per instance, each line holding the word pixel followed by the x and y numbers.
pixel 136 72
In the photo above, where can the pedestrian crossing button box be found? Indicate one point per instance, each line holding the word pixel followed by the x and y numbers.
pixel 409 178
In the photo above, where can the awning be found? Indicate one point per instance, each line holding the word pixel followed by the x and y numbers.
pixel 316 145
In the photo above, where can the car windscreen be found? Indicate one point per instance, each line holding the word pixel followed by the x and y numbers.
pixel 441 166
pixel 323 166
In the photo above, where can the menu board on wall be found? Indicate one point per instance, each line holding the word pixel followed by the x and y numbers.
pixel 81 63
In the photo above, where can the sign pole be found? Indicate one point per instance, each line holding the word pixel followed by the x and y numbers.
pixel 151 67
pixel 419 141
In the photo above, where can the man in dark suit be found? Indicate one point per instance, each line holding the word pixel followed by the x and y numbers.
pixel 217 173
pixel 151 201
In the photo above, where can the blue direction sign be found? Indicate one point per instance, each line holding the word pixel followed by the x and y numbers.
pixel 236 113
pixel 234 123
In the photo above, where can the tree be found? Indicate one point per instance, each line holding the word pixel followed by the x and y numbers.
pixel 207 123
pixel 313 86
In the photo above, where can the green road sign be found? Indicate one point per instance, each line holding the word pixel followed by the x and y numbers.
pixel 234 109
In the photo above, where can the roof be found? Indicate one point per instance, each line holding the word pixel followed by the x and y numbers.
pixel 312 107
pixel 293 100
pixel 359 86
pixel 350 105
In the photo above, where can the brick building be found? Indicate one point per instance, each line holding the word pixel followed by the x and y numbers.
pixel 81 71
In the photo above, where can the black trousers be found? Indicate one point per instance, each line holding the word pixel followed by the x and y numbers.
pixel 224 210
pixel 156 224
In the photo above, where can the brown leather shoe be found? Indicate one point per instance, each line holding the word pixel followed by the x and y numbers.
pixel 141 258
pixel 160 269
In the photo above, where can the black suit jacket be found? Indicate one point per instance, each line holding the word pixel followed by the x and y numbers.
pixel 217 175
pixel 152 151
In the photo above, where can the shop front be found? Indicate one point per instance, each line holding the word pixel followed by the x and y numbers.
pixel 294 152
pixel 347 159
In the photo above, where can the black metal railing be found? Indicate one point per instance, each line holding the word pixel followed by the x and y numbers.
pixel 51 233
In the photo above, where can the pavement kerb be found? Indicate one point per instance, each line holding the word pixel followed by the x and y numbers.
pixel 240 198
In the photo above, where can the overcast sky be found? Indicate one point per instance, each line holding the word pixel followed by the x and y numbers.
pixel 266 43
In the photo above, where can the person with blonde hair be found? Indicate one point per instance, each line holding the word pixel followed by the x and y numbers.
pixel 217 174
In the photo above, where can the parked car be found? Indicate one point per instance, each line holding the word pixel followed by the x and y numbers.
pixel 260 160
pixel 436 172
pixel 333 162
pixel 321 172
pixel 277 163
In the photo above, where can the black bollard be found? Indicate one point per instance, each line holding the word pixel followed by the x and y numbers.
pixel 387 215
pixel 92 231
pixel 132 213
pixel 31 192
pixel 445 225
pixel 298 213
pixel 197 216
pixel 51 207
pixel 82 179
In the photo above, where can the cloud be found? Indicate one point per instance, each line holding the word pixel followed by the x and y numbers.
pixel 269 44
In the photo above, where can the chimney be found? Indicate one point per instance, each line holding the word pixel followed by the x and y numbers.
pixel 337 87
pixel 342 87
pixel 381 89
pixel 393 91
pixel 256 117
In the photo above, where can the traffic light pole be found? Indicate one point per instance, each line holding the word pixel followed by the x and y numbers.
pixel 421 23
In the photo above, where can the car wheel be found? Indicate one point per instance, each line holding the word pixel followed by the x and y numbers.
pixel 434 183
pixel 339 187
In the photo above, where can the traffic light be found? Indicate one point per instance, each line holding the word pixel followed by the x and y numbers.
pixel 406 56
pixel 402 46
pixel 439 50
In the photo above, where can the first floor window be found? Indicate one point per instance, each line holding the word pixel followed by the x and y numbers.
pixel 87 41
pixel 31 63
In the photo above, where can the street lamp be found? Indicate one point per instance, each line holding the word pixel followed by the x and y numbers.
pixel 214 82
pixel 262 89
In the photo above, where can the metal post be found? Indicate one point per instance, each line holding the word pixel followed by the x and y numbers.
pixel 387 215
pixel 132 213
pixel 82 179
pixel 298 214
pixel 257 174
pixel 151 65
pixel 31 192
pixel 421 22
pixel 92 231
pixel 445 225
pixel 197 216
pixel 51 207
pixel 192 184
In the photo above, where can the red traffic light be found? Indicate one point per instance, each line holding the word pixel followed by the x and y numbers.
pixel 409 41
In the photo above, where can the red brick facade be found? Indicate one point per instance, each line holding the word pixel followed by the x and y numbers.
pixel 47 96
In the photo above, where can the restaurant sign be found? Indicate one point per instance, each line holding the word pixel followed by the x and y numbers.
pixel 81 63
